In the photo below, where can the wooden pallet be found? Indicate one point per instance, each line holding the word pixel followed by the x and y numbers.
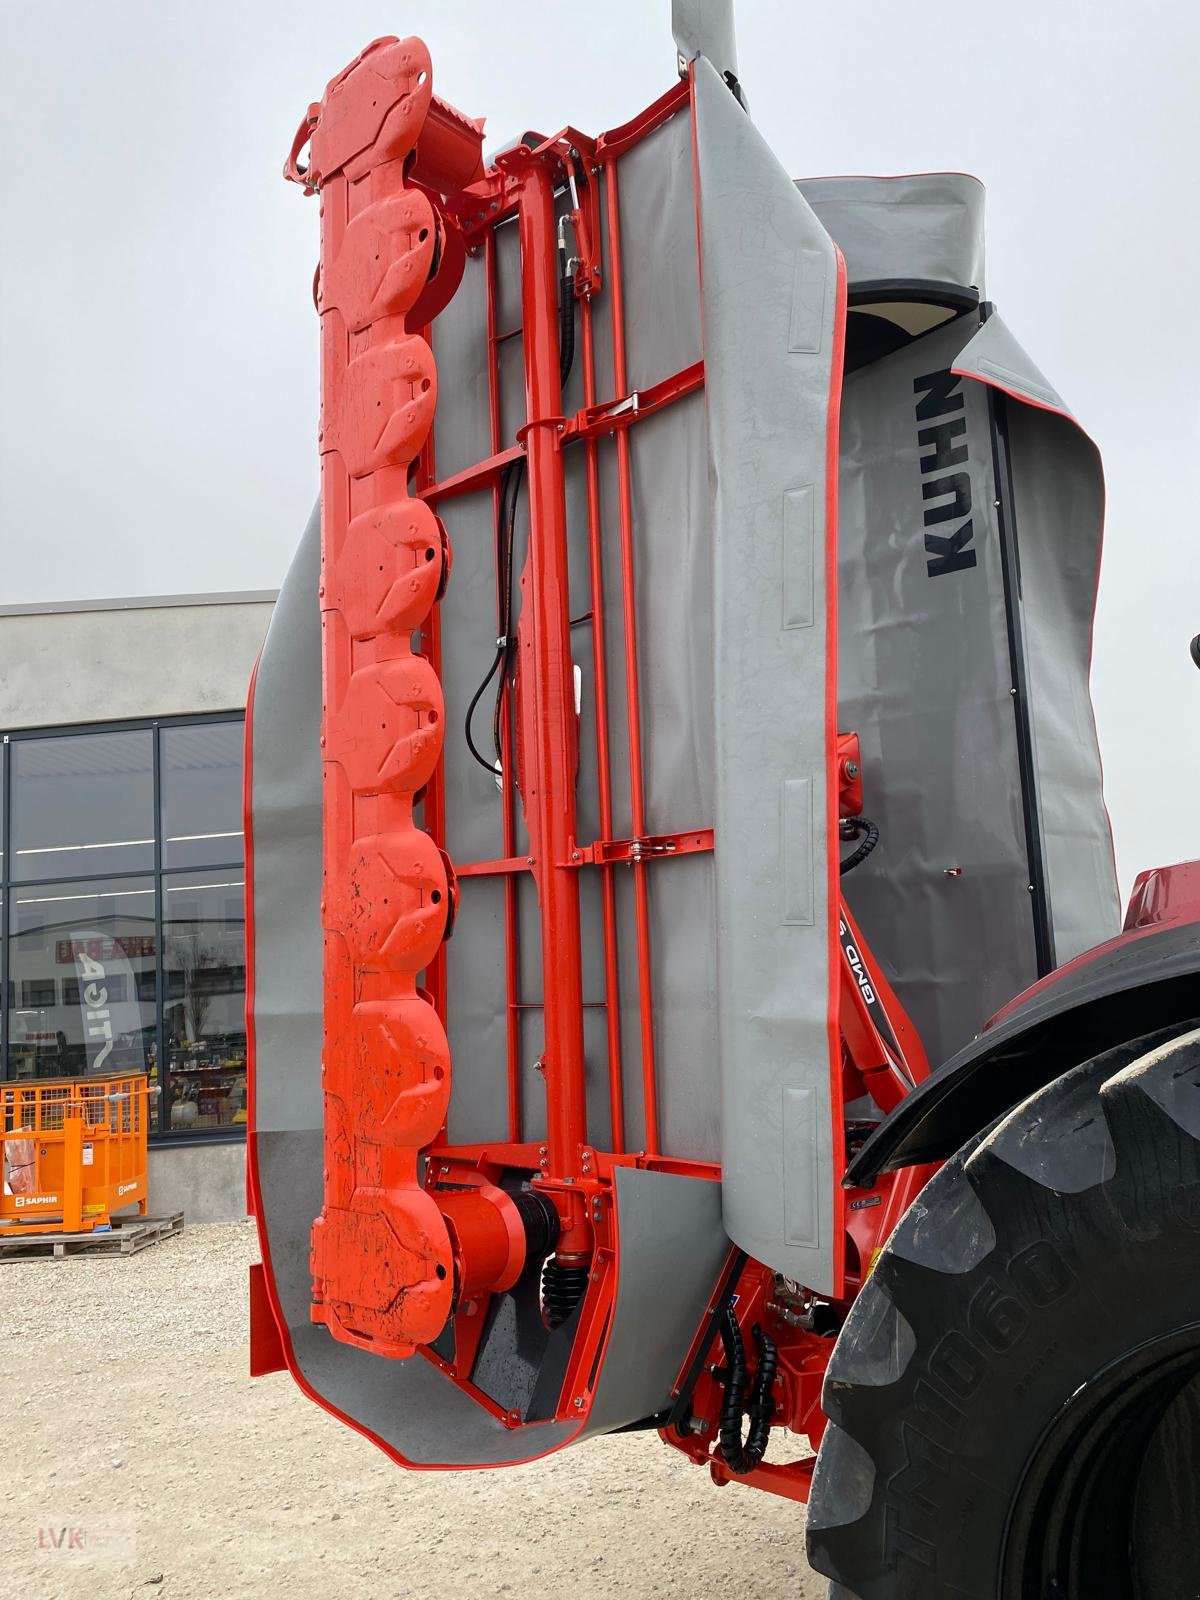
pixel 126 1237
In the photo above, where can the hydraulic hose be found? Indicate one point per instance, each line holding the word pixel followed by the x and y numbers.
pixel 855 826
pixel 510 488
pixel 483 761
pixel 509 494
pixel 743 1455
pixel 566 317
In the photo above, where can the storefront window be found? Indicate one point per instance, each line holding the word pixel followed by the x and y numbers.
pixel 82 805
pixel 122 923
pixel 204 971
pixel 81 978
pixel 202 794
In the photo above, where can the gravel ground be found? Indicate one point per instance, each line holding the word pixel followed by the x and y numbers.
pixel 126 1403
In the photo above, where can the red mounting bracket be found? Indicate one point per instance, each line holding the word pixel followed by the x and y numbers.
pixel 630 851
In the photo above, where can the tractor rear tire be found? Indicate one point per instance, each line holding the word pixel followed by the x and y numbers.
pixel 1014 1399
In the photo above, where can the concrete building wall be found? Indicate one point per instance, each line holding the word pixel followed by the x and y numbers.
pixel 107 660
pixel 112 660
pixel 207 1182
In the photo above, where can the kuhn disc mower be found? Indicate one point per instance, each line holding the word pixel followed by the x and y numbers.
pixel 673 734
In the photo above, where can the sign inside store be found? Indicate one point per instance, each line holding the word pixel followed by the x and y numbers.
pixel 98 949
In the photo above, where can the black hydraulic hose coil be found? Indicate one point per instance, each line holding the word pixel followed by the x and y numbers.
pixel 743 1455
pixel 854 826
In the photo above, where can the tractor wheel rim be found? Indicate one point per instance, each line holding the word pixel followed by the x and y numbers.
pixel 1087 1519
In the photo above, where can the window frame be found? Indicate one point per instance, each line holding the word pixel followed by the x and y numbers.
pixel 160 1130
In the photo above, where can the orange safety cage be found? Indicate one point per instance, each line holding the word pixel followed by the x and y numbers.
pixel 74 1152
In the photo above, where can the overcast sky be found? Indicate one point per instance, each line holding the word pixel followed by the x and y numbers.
pixel 158 347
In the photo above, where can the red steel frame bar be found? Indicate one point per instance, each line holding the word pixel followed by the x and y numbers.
pixel 507 787
pixel 473 477
pixel 629 615
pixel 550 744
pixel 616 1088
pixel 434 804
pixel 490 869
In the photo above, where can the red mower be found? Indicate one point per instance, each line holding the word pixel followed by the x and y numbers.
pixel 672 739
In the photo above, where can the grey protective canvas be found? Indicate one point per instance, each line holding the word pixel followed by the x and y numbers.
pixel 926 228
pixel 929 681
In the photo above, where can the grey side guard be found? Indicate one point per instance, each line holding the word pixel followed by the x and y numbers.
pixel 1058 506
pixel 773 307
